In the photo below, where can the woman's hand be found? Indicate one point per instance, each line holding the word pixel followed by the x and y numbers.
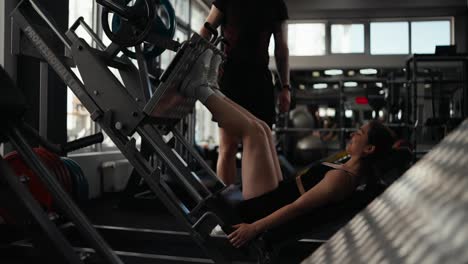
pixel 243 234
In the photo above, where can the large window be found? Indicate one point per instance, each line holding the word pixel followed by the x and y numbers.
pixel 168 55
pixel 347 38
pixel 198 15
pixel 206 131
pixel 182 9
pixel 426 35
pixel 79 123
pixel 386 37
pixel 389 38
pixel 306 39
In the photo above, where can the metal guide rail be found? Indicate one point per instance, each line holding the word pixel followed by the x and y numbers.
pixel 121 110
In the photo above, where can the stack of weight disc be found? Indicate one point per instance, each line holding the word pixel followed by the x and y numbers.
pixel 67 172
pixel 80 184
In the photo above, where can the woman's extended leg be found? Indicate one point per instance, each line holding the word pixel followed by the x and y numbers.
pixel 226 167
pixel 258 169
pixel 274 156
pixel 259 173
pixel 213 82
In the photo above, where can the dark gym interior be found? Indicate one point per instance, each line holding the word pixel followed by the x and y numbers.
pixel 95 169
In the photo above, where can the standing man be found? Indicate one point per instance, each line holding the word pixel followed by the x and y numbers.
pixel 247 26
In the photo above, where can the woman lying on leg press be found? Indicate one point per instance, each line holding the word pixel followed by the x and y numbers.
pixel 268 199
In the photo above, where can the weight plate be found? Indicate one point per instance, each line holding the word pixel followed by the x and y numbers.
pixel 35 186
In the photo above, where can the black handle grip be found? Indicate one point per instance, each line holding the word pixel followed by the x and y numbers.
pixel 212 30
pixel 83 142
pixel 64 148
pixel 122 11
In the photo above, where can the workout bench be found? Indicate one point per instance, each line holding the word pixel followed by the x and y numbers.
pixel 421 218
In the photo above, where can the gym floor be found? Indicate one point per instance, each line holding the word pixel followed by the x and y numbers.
pixel 106 212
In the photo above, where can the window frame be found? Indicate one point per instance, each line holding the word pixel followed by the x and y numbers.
pixel 409 20
pixel 327 35
pixel 390 21
pixel 439 19
pixel 360 22
pixel 97 26
pixel 202 4
pixel 367 34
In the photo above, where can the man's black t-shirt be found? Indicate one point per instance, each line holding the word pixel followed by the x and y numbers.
pixel 248 26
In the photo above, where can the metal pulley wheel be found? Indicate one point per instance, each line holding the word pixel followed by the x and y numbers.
pixel 162 24
pixel 135 20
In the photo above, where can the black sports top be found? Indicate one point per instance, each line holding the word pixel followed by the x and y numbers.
pixel 287 192
pixel 315 174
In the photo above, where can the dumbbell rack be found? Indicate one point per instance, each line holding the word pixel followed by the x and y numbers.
pixel 121 111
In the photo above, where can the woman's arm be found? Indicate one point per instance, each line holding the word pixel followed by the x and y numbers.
pixel 335 185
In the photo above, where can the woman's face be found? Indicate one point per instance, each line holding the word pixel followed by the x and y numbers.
pixel 358 145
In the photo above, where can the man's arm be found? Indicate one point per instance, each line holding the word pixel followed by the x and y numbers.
pixel 280 35
pixel 214 18
pixel 282 51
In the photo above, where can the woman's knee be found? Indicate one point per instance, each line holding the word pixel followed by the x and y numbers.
pixel 228 147
pixel 260 124
pixel 256 131
pixel 265 127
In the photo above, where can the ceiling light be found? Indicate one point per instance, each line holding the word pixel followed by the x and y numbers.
pixel 350 84
pixel 322 112
pixel 319 86
pixel 368 71
pixel 315 74
pixel 333 72
pixel 381 114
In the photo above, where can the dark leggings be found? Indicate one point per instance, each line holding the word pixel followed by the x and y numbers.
pixel 256 208
pixel 286 193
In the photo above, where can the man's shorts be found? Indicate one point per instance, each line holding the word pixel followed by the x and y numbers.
pixel 252 88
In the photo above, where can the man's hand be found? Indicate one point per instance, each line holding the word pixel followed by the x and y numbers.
pixel 284 100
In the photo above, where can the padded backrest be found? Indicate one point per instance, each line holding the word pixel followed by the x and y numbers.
pixel 393 166
pixel 322 222
pixel 12 102
pixel 421 218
